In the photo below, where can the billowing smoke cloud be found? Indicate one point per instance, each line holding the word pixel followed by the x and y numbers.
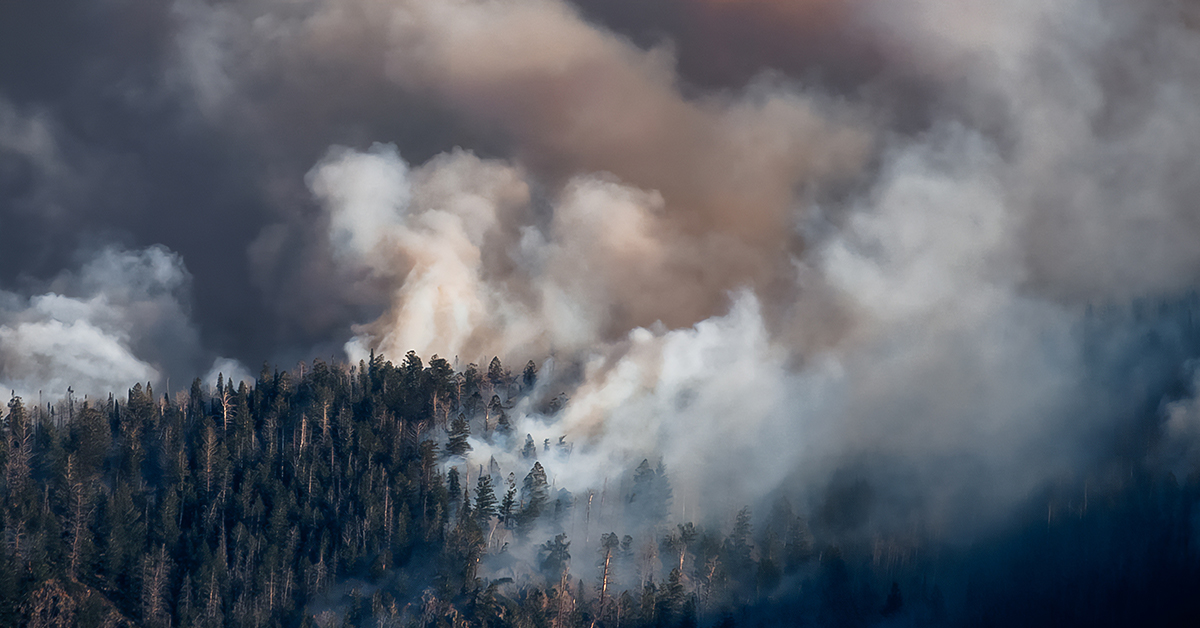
pixel 576 100
pixel 470 284
pixel 121 319
pixel 765 259
pixel 918 294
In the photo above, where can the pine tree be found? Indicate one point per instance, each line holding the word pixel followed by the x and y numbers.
pixel 670 598
pixel 485 501
pixel 471 380
pixel 503 425
pixel 510 500
pixel 443 385
pixel 608 545
pixel 768 576
pixel 535 492
pixel 496 376
pixel 738 548
pixel 89 438
pixel 460 430
pixel 650 496
pixel 156 573
pixel 18 451
pixel 687 534
pixel 80 505
pixel 453 482
pixel 464 547
pixel 797 548
pixel 494 409
pixel 530 375
pixel 554 558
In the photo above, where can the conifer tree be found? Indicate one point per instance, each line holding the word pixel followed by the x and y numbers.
pixel 471 380
pixel 485 500
pixel 453 482
pixel 609 543
pixel 18 451
pixel 671 598
pixel 650 496
pixel 88 439
pixel 535 492
pixel 797 548
pixel 510 500
pixel 554 558
pixel 738 548
pixel 503 424
pixel 529 376
pixel 495 375
pixel 460 430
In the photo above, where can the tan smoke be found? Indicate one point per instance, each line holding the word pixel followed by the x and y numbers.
pixel 575 99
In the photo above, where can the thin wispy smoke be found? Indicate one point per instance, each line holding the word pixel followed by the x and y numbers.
pixel 227 370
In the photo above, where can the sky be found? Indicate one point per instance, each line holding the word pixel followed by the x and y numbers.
pixel 949 246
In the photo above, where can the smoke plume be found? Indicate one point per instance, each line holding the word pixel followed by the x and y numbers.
pixel 768 243
pixel 121 319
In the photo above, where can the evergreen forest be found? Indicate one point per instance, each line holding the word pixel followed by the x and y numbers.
pixel 338 495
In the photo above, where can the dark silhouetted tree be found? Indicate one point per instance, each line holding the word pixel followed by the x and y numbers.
pixel 529 376
pixel 460 430
pixel 485 501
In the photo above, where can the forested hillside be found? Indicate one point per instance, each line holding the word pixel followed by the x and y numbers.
pixel 337 495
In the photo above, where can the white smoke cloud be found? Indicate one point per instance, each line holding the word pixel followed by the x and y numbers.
pixel 951 372
pixel 427 231
pixel 1087 102
pixel 228 370
pixel 121 319
pixel 466 284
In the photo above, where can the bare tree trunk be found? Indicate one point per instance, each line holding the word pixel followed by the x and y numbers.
pixel 81 510
pixel 210 448
pixel 155 575
pixel 225 403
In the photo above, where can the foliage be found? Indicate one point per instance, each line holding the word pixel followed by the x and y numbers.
pixel 322 496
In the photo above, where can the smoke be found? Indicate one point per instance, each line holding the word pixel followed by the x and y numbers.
pixel 767 243
pixel 227 370
pixel 122 318
pixel 573 100
pixel 27 140
pixel 424 234
pixel 956 273
pixel 951 377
